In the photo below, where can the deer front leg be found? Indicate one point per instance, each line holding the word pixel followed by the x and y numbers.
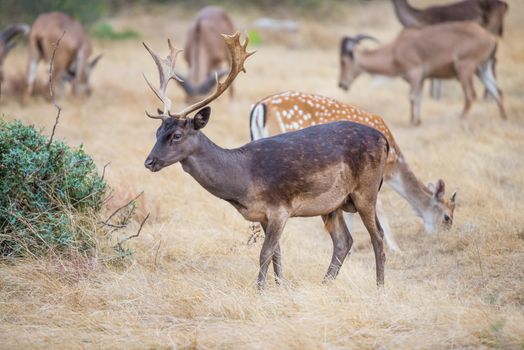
pixel 342 242
pixel 277 265
pixel 273 231
pixel 415 96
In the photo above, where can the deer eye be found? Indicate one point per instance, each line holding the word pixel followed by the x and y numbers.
pixel 447 219
pixel 176 137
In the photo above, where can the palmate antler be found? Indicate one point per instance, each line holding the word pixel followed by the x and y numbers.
pixel 166 71
pixel 238 57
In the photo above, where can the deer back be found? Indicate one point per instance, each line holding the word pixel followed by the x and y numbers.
pixel 291 111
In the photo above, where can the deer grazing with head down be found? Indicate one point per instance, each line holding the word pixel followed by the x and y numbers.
pixel 443 51
pixel 320 171
pixel 205 52
pixel 487 13
pixel 71 56
pixel 290 111
pixel 7 42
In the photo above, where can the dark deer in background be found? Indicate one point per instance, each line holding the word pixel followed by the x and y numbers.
pixel 71 57
pixel 487 13
pixel 445 51
pixel 7 42
pixel 205 51
pixel 319 171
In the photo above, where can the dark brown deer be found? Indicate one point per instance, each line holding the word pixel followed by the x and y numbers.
pixel 205 51
pixel 7 42
pixel 444 51
pixel 71 56
pixel 319 171
pixel 487 13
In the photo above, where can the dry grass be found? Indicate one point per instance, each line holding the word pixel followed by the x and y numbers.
pixel 191 282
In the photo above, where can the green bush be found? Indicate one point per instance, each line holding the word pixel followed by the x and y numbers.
pixel 106 31
pixel 49 195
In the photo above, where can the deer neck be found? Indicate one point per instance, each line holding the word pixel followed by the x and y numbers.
pixel 379 61
pixel 406 14
pixel 405 183
pixel 221 172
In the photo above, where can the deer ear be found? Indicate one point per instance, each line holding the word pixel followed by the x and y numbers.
pixel 453 196
pixel 201 118
pixel 93 63
pixel 440 189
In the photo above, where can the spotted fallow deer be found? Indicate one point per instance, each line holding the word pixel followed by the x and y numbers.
pixel 319 171
pixel 8 41
pixel 289 111
pixel 71 56
pixel 443 51
pixel 205 52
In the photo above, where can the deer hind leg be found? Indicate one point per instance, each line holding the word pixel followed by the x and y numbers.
pixel 32 62
pixel 465 75
pixel 486 74
pixel 273 231
pixel 365 203
pixel 342 242
pixel 388 234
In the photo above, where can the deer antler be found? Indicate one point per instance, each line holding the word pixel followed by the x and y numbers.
pixel 166 71
pixel 238 57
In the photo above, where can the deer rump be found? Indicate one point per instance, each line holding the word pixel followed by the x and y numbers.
pixel 205 51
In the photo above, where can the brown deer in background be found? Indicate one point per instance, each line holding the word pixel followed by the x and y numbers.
pixel 7 42
pixel 71 56
pixel 487 13
pixel 289 111
pixel 205 51
pixel 320 171
pixel 445 51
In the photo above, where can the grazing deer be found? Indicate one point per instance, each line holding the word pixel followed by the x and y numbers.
pixel 205 51
pixel 487 13
pixel 319 171
pixel 7 42
pixel 71 56
pixel 289 111
pixel 444 51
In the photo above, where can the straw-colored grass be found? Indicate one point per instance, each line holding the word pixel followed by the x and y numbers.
pixel 191 281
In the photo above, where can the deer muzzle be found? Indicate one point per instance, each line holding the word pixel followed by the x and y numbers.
pixel 153 164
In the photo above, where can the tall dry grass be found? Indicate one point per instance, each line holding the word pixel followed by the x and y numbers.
pixel 191 280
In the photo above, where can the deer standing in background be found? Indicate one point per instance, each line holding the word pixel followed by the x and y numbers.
pixel 289 111
pixel 320 171
pixel 487 13
pixel 205 51
pixel 444 51
pixel 71 56
pixel 7 42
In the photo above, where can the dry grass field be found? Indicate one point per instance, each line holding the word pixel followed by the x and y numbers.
pixel 191 280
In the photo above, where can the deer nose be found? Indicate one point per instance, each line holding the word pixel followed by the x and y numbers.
pixel 149 163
